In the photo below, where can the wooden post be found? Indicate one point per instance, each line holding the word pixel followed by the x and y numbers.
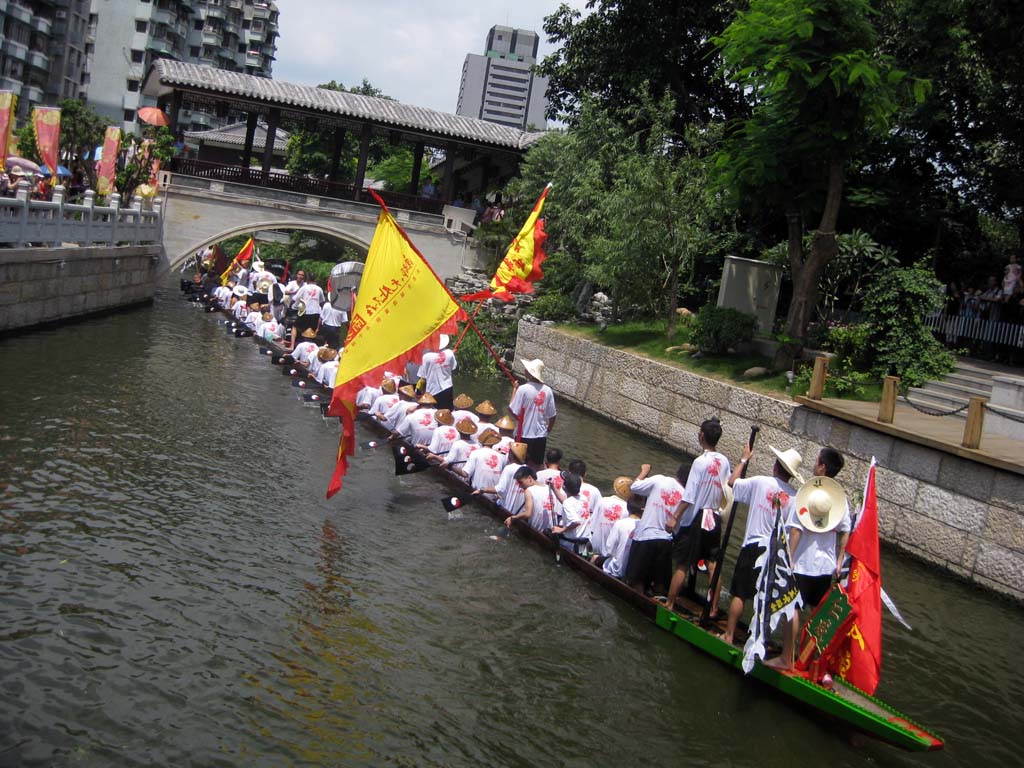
pixel 366 132
pixel 250 136
pixel 417 166
pixel 975 422
pixel 817 388
pixel 887 408
pixel 273 118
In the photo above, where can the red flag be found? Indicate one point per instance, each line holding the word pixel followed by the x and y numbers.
pixel 46 121
pixel 244 254
pixel 8 108
pixel 860 662
pixel 106 169
pixel 521 267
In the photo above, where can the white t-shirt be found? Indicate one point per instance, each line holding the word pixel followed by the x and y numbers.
pixel 611 510
pixel 366 396
pixel 704 485
pixel 619 541
pixel 222 294
pixel 240 310
pixel 442 439
pixel 303 351
pixel 396 412
pixel 256 277
pixel 546 507
pixel 484 468
pixel 459 452
pixel 572 516
pixel 663 496
pixel 510 494
pixel 555 475
pixel 328 372
pixel 590 497
pixel 436 368
pixel 382 405
pixel 758 493
pixel 253 318
pixel 331 316
pixel 422 425
pixel 534 406
pixel 815 553
pixel 313 295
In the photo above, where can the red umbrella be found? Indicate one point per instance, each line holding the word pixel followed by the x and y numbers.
pixel 154 116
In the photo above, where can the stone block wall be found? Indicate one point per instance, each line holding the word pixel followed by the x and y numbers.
pixel 961 515
pixel 45 285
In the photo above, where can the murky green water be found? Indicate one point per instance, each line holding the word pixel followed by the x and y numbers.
pixel 175 590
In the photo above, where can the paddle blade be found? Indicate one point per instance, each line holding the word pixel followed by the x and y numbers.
pixel 407 462
pixel 452 503
pixel 300 383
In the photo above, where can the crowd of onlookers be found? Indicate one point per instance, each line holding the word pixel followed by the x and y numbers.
pixel 76 184
pixel 486 211
pixel 1000 299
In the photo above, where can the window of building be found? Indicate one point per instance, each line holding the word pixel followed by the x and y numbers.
pixel 141 26
pixel 129 115
pixel 138 56
pixel 194 51
pixel 133 86
pixel 246 23
pixel 199 24
pixel 90 48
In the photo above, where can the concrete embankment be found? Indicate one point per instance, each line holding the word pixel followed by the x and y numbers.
pixel 47 285
pixel 961 515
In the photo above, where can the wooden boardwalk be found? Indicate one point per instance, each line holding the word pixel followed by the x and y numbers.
pixel 941 433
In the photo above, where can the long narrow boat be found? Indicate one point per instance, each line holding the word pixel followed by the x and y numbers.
pixel 842 701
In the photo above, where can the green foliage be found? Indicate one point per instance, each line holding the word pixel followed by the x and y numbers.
pixel 553 306
pixel 717 329
pixel 317 270
pixel 395 170
pixel 81 129
pixel 474 358
pixel 849 369
pixel 135 160
pixel 897 303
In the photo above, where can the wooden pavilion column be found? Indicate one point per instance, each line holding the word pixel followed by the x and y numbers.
pixel 417 166
pixel 268 150
pixel 339 142
pixel 364 153
pixel 176 101
pixel 251 120
pixel 449 173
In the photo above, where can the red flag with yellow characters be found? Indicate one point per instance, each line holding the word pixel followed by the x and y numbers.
pixel 46 121
pixel 8 106
pixel 521 267
pixel 401 310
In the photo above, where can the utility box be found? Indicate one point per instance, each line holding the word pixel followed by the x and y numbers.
pixel 752 287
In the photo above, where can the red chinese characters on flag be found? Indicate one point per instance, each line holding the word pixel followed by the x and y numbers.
pixel 46 121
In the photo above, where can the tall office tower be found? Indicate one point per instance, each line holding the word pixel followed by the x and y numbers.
pixel 127 35
pixel 43 50
pixel 500 86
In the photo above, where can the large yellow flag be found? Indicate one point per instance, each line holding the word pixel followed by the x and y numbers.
pixel 401 310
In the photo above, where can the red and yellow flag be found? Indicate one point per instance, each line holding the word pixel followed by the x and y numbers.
pixel 860 661
pixel 401 310
pixel 8 106
pixel 46 121
pixel 244 254
pixel 107 167
pixel 521 267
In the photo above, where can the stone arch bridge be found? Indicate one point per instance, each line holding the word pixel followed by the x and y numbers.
pixel 199 212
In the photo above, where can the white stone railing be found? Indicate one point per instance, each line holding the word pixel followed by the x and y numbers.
pixel 24 221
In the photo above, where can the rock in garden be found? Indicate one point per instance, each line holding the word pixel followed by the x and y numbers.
pixel 757 372
pixel 689 347
pixel 683 312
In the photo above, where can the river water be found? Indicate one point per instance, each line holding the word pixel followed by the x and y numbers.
pixel 175 590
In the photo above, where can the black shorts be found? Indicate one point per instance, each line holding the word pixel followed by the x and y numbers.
pixel 693 544
pixel 813 589
pixel 536 447
pixel 331 335
pixel 650 565
pixel 307 321
pixel 744 578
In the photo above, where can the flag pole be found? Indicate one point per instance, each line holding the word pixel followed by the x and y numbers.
pixel 497 359
pixel 466 328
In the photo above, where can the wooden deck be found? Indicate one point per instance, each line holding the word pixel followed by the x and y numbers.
pixel 941 433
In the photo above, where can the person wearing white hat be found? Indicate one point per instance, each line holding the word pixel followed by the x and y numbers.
pixel 761 494
pixel 533 406
pixel 435 372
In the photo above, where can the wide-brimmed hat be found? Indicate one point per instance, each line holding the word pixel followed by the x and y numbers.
pixel 505 422
pixel 791 460
pixel 326 354
pixel 427 399
pixel 486 408
pixel 444 417
pixel 466 426
pixel 535 368
pixel 462 400
pixel 408 390
pixel 488 437
pixel 519 451
pixel 442 342
pixel 622 488
pixel 309 333
pixel 725 505
pixel 388 386
pixel 820 504
pixel 239 291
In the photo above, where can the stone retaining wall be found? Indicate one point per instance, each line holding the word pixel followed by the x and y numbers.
pixel 961 515
pixel 45 285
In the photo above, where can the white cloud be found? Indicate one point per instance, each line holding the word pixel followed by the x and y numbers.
pixel 411 49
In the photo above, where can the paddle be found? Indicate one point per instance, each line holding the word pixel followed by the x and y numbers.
pixel 705 616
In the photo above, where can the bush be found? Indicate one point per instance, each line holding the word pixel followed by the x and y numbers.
pixel 553 306
pixel 716 329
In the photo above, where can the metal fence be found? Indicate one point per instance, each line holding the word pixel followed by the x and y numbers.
pixel 953 328
pixel 25 222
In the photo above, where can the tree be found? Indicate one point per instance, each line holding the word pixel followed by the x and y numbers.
pixel 81 130
pixel 135 159
pixel 819 89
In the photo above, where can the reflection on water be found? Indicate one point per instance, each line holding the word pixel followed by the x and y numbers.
pixel 174 589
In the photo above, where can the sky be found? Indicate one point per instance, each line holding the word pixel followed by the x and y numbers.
pixel 411 49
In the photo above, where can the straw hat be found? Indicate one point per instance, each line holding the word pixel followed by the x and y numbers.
pixel 725 505
pixel 407 391
pixel 326 354
pixel 444 417
pixel 486 408
pixel 466 426
pixel 506 422
pixel 820 504
pixel 791 460
pixel 488 437
pixel 622 487
pixel 388 386
pixel 463 401
pixel 535 368
pixel 427 399
pixel 519 451
pixel 309 333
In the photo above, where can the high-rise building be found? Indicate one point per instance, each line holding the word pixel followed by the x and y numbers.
pixel 127 35
pixel 500 86
pixel 43 50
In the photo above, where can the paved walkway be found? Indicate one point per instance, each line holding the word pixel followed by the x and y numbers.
pixel 942 433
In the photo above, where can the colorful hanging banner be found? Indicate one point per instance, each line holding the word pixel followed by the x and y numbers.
pixel 107 167
pixel 8 106
pixel 46 121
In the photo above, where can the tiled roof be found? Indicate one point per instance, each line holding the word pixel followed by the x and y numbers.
pixel 165 74
pixel 234 135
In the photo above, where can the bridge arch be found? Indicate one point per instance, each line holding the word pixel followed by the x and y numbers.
pixel 177 260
